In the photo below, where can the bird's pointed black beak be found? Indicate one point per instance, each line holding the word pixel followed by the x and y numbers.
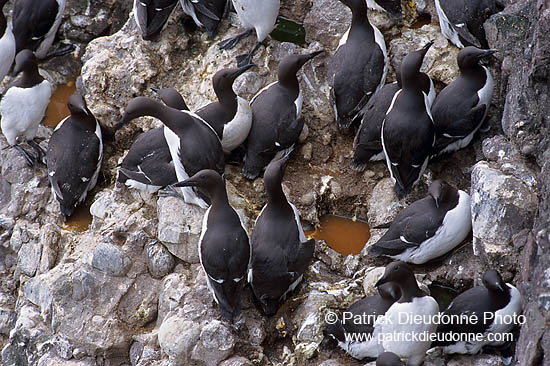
pixel 486 53
pixel 156 90
pixel 498 285
pixel 436 201
pixel 241 70
pixel 313 54
pixel 427 46
pixel 381 281
pixel 308 56
pixel 283 160
pixel 185 183
pixel 124 120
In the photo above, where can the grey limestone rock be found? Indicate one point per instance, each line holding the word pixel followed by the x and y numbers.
pixel 215 344
pixel 160 261
pixel 111 259
pixel 502 205
pixel 177 337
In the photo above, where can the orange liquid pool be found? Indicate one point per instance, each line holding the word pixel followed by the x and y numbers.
pixel 344 235
pixel 57 109
pixel 80 220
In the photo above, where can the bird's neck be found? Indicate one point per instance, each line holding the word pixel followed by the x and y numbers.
pixel 228 99
pixel 276 196
pixel 475 71
pixel 29 78
pixel 290 82
pixel 172 118
pixel 499 299
pixel 410 290
pixel 360 21
pixel 218 196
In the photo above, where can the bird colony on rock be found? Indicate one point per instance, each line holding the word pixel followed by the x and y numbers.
pixel 403 123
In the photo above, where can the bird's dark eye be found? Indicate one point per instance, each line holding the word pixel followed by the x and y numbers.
pixel 395 268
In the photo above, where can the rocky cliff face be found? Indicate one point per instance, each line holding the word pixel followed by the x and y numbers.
pixel 521 34
pixel 129 289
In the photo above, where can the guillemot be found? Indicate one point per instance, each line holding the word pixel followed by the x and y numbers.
pixel 281 253
pixel 396 329
pixel 358 67
pixel 461 108
pixel 224 249
pixel 276 116
pixel 408 133
pixel 74 155
pixel 491 310
pixel 193 143
pixel 429 227
pixel 24 105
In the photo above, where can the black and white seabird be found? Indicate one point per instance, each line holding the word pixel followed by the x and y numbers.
pixel 152 15
pixel 7 43
pixel 24 105
pixel 461 107
pixel 259 15
pixel 224 249
pixel 369 310
pixel 231 115
pixel 35 24
pixel 74 155
pixel 392 7
pixel 408 131
pixel 280 251
pixel 276 116
pixel 429 227
pixel 416 304
pixel 389 359
pixel 367 145
pixel 148 165
pixel 193 144
pixel 206 14
pixel 494 304
pixel 358 67
pixel 461 21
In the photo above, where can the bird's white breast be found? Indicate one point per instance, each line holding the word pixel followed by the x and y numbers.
pixel 456 225
pixel 298 104
pixel 173 141
pixel 388 161
pixel 399 320
pixel 379 39
pixel 22 110
pixel 258 14
pixel 500 324
pixel 236 130
pixel 7 51
pixel 486 92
